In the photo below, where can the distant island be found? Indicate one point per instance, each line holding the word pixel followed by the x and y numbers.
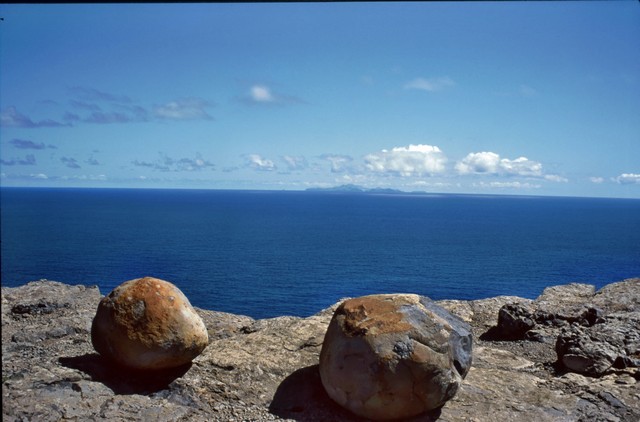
pixel 350 188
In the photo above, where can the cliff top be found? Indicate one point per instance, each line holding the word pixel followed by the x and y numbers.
pixel 267 369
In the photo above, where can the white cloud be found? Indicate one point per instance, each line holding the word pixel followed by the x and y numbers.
pixel 85 177
pixel 521 166
pixel 339 163
pixel 412 160
pixel 556 178
pixel 166 163
pixel 39 176
pixel 507 185
pixel 479 162
pixel 264 95
pixel 491 163
pixel 295 162
pixel 356 179
pixel 425 184
pixel 597 180
pixel 261 94
pixel 190 108
pixel 257 162
pixel 628 179
pixel 430 85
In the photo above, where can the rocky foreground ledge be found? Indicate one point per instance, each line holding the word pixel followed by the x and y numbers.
pixel 259 370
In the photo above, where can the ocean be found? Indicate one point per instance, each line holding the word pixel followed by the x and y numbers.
pixel 272 253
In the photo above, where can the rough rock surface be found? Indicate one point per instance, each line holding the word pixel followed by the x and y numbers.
pixel 592 350
pixel 388 357
pixel 514 320
pixel 261 370
pixel 148 324
pixel 590 337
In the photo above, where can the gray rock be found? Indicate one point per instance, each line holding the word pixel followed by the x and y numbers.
pixel 394 356
pixel 514 320
pixel 622 296
pixel 603 333
pixel 561 306
pixel 565 295
pixel 518 321
pixel 578 353
pixel 595 349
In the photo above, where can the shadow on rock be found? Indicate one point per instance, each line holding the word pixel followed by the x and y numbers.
pixel 123 380
pixel 302 397
pixel 492 334
pixel 497 333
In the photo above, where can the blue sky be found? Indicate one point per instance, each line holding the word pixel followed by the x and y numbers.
pixel 535 98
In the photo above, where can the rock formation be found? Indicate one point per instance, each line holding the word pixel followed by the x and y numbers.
pixel 589 339
pixel 388 357
pixel 148 324
pixel 263 370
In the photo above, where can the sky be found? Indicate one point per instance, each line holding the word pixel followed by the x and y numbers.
pixel 530 98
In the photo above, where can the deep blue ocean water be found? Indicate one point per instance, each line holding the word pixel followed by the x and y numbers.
pixel 267 253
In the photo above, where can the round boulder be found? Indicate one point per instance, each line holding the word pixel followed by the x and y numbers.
pixel 148 324
pixel 388 357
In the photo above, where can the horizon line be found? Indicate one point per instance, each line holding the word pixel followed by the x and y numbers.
pixel 328 190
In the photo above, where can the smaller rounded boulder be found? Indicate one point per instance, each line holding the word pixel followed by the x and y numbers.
pixel 395 356
pixel 148 324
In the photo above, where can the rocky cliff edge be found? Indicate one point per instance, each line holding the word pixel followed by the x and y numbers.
pixel 260 370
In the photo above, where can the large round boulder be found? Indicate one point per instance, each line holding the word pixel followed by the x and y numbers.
pixel 148 324
pixel 394 356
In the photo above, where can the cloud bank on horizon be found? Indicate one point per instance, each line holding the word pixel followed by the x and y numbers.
pixel 218 96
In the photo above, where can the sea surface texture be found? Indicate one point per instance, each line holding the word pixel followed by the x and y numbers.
pixel 266 253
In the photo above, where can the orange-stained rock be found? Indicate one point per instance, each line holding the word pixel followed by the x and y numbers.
pixel 148 323
pixel 389 357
